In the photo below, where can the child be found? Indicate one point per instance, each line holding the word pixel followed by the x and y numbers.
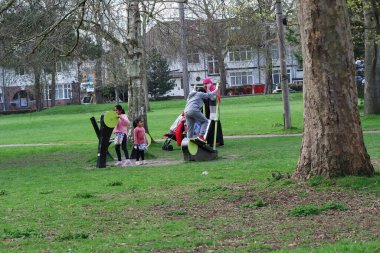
pixel 120 132
pixel 193 111
pixel 139 140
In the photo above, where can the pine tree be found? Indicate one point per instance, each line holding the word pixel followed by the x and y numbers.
pixel 159 79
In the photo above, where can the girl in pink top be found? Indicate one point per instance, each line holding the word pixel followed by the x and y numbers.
pixel 120 132
pixel 139 140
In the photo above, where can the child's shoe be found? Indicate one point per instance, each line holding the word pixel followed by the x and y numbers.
pixel 127 163
pixel 143 162
pixel 138 163
pixel 118 163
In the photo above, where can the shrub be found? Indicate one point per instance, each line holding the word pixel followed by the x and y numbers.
pixel 116 183
pixel 335 206
pixel 295 86
pixel 84 195
pixel 304 210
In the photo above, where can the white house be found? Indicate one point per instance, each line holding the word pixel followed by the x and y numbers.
pixel 244 66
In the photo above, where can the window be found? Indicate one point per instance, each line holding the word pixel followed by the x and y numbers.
pixel 276 76
pixel 193 57
pixel 62 91
pixel 241 78
pixel 213 65
pixel 275 54
pixel 241 54
pixel 20 71
pixel 62 66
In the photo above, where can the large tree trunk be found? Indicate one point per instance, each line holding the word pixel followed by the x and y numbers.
pixel 98 84
pixel 222 73
pixel 332 143
pixel 372 57
pixel 144 60
pixel 37 88
pixel 136 98
pixel 53 84
pixel 268 70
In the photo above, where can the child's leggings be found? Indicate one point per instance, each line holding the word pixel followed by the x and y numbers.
pixel 139 153
pixel 124 147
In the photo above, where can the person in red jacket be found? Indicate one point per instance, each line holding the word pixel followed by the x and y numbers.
pixel 139 140
pixel 212 112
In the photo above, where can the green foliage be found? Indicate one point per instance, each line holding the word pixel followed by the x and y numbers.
pixel 159 79
pixel 115 183
pixel 178 213
pixel 170 206
pixel 355 8
pixel 306 210
pixel 295 86
pixel 213 189
pixel 72 236
pixel 84 195
pixel 22 234
pixel 256 204
pixel 278 176
pixel 334 206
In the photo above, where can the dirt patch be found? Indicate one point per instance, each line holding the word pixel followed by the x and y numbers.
pixel 149 163
pixel 231 214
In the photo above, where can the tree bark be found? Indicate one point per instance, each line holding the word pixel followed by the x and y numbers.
pixel 222 72
pixel 372 57
pixel 185 72
pixel 37 88
pixel 136 98
pixel 144 60
pixel 284 76
pixel 332 143
pixel 53 83
pixel 268 70
pixel 268 61
pixel 98 82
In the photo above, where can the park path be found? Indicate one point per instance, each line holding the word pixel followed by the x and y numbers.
pixel 225 136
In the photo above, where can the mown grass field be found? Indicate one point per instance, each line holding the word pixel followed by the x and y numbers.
pixel 53 199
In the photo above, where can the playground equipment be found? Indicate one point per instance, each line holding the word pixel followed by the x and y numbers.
pixel 108 121
pixel 196 150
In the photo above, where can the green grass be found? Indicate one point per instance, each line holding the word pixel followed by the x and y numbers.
pixel 53 199
pixel 68 124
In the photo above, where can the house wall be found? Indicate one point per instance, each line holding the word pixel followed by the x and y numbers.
pixel 255 66
pixel 18 90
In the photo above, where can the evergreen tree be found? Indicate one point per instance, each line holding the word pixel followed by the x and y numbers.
pixel 159 80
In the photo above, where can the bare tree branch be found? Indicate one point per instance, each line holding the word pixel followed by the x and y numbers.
pixel 6 6
pixel 53 27
pixel 77 31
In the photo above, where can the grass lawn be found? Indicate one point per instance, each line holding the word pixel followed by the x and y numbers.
pixel 53 199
